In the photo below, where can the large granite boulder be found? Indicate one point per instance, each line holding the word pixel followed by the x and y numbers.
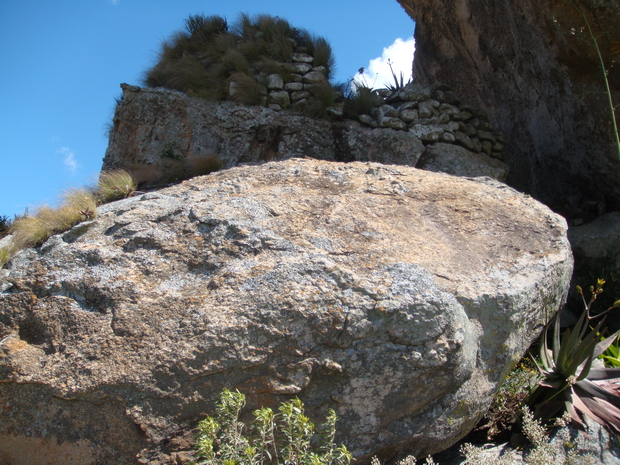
pixel 396 296
pixel 533 67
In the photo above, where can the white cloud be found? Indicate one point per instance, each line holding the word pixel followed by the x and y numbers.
pixel 400 56
pixel 113 2
pixel 68 159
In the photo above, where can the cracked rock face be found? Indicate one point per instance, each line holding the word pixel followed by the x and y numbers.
pixel 533 67
pixel 398 297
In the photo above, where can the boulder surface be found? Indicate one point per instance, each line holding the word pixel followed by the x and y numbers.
pixel 396 296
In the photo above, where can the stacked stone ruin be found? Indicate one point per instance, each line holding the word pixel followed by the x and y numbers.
pixel 433 114
pixel 295 91
pixel 436 114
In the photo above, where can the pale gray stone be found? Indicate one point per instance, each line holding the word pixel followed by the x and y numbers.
pixel 313 77
pixel 408 115
pixel 389 111
pixel 294 86
pixel 367 120
pixel 302 58
pixel 450 110
pixel 452 159
pixel 426 110
pixel 464 140
pixel 275 82
pixel 298 68
pixel 393 123
pixel 299 95
pixel 414 92
pixel 281 98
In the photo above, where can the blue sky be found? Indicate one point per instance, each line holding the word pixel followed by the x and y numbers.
pixel 63 61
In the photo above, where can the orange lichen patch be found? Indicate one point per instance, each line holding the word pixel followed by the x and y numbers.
pixel 14 344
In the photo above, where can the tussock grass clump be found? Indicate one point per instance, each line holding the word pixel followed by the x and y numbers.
pixel 6 253
pixel 114 185
pixel 323 55
pixel 362 100
pixel 246 90
pixel 324 97
pixel 77 205
pixel 208 55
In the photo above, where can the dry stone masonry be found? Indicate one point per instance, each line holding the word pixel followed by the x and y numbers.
pixel 294 89
pixel 436 114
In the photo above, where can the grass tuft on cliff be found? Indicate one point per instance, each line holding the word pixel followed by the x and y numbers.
pixel 114 185
pixel 31 230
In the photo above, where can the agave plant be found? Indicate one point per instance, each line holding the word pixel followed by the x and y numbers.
pixel 568 381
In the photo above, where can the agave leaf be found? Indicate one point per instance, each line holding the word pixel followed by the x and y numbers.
pixel 579 330
pixel 561 351
pixel 581 362
pixel 574 401
pixel 585 368
pixel 603 414
pixel 546 355
pixel 604 373
pixel 594 390
pixel 552 384
pixel 556 345
pixel 582 407
pixel 582 352
pixel 605 344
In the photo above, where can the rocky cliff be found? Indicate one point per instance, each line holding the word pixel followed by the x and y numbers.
pixel 533 67
pixel 396 296
pixel 159 134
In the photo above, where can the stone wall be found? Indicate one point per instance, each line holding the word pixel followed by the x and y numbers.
pixel 436 114
pixel 294 89
pixel 158 133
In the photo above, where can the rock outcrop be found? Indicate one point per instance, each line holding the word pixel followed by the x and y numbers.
pixel 157 133
pixel 398 297
pixel 533 67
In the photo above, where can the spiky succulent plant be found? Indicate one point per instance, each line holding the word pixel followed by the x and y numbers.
pixel 568 382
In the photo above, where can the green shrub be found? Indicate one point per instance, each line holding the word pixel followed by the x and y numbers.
pixel 277 438
pixel 508 400
pixel 5 225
